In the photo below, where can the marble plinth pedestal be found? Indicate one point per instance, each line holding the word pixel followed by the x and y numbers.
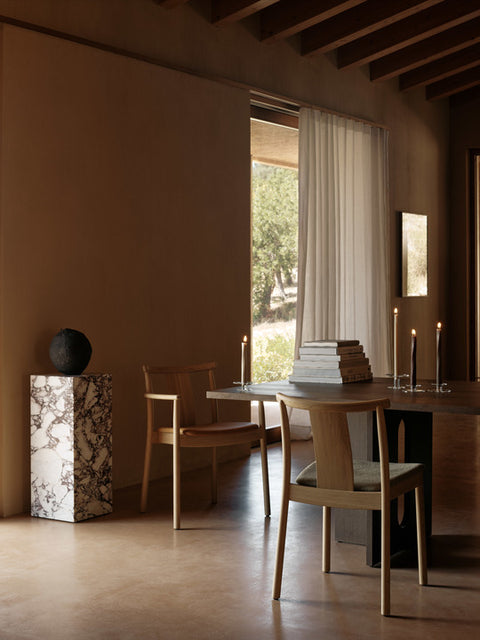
pixel 71 446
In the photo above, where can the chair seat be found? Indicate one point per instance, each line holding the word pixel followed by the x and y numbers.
pixel 366 474
pixel 219 427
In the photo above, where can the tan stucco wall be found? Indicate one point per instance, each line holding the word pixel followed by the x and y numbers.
pixel 125 185
pixel 120 219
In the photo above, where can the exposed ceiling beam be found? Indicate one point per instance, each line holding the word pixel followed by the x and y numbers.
pixel 446 15
pixel 358 22
pixel 232 10
pixel 442 68
pixel 465 97
pixel 287 18
pixel 453 84
pixel 426 51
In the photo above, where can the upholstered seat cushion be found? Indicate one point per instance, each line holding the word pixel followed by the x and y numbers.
pixel 366 474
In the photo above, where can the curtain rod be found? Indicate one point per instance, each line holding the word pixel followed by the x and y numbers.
pixel 291 104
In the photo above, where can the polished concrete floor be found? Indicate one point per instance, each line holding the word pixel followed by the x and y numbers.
pixel 130 576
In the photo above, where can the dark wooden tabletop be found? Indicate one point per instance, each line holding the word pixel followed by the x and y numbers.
pixel 464 397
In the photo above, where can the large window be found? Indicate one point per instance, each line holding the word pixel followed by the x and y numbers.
pixel 274 249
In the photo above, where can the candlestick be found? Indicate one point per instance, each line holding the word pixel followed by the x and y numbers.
pixel 395 323
pixel 413 362
pixel 438 368
pixel 242 376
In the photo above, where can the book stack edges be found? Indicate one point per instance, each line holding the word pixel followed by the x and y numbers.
pixel 331 362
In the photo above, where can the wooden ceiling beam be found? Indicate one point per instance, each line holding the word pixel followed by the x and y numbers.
pixel 453 84
pixel 358 22
pixel 442 68
pixel 287 18
pixel 426 51
pixel 430 22
pixel 224 11
pixel 465 97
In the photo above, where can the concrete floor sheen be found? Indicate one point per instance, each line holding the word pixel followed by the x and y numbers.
pixel 130 576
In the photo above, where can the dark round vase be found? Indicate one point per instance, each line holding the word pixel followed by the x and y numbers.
pixel 70 352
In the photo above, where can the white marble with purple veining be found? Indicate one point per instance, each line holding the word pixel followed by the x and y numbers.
pixel 71 446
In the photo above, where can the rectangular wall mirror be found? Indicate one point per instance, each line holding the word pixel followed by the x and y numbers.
pixel 414 254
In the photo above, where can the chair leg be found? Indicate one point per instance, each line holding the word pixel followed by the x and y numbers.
pixel 266 484
pixel 385 569
pixel 146 477
pixel 282 532
pixel 176 487
pixel 326 537
pixel 214 475
pixel 421 538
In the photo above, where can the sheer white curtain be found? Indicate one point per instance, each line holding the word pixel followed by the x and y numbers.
pixel 343 286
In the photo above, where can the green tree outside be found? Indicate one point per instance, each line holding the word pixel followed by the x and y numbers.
pixel 275 233
pixel 274 264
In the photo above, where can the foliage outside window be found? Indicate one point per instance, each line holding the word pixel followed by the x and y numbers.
pixel 274 270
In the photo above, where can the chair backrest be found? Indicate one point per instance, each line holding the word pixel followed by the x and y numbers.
pixel 190 383
pixel 331 437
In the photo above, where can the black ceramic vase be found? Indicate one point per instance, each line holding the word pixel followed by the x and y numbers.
pixel 70 352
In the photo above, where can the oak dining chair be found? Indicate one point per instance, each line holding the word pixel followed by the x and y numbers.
pixel 192 422
pixel 335 479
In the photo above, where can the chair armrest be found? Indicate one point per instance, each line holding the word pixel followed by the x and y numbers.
pixel 161 396
pixel 176 413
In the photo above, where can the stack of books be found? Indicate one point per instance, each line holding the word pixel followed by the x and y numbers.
pixel 331 361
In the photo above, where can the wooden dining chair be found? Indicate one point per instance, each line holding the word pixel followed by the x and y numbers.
pixel 193 422
pixel 334 479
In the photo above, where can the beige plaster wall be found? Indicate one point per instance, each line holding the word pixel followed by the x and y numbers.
pixel 113 142
pixel 120 219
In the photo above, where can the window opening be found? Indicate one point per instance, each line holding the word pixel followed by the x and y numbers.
pixel 274 150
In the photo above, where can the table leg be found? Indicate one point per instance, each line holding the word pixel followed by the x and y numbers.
pixel 417 448
pixel 263 448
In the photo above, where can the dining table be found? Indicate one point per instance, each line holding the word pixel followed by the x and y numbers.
pixel 409 422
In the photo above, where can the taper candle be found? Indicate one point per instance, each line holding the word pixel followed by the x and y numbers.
pixel 413 362
pixel 242 376
pixel 395 323
pixel 438 378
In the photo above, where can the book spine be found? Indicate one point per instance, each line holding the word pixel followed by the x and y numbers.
pixel 331 373
pixel 332 343
pixel 363 377
pixel 342 357
pixel 325 351
pixel 318 363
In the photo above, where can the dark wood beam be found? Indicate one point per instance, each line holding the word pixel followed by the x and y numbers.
pixel 446 15
pixel 224 11
pixel 442 68
pixel 465 97
pixel 426 51
pixel 358 22
pixel 453 84
pixel 289 17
